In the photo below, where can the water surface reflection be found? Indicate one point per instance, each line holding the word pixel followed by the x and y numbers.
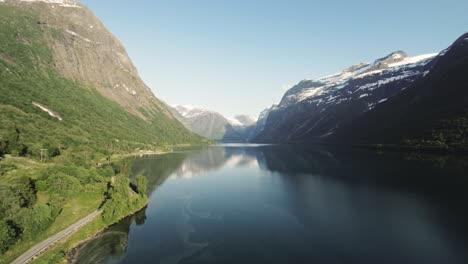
pixel 285 204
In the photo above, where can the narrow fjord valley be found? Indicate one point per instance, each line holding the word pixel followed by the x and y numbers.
pixel 215 126
pixel 398 101
pixel 367 165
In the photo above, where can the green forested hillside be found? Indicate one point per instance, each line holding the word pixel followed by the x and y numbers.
pixel 38 199
pixel 90 121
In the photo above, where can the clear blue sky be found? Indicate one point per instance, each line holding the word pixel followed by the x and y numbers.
pixel 236 57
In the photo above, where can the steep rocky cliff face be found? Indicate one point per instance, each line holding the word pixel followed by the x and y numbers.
pixel 430 114
pixel 84 50
pixel 315 109
pixel 67 83
pixel 397 101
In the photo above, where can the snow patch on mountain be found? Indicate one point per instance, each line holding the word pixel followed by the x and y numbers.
pixel 311 92
pixel 346 73
pixel 234 122
pixel 50 112
pixel 62 3
pixel 395 62
pixel 245 120
pixel 241 121
pixel 410 60
pixel 368 73
pixel 73 33
pixel 183 109
pixel 129 90
pixel 373 85
pixel 442 53
pixel 190 111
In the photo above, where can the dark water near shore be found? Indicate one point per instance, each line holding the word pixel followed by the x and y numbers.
pixel 283 204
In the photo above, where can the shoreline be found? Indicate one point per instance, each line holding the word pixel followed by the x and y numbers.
pixel 141 153
pixel 119 157
pixel 68 250
pixel 395 148
pixel 71 252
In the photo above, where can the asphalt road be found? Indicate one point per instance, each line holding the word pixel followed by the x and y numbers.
pixel 37 249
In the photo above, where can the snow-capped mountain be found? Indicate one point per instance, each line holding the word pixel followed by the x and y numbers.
pixel 394 67
pixel 189 111
pixel 213 125
pixel 242 121
pixel 316 108
pixel 431 114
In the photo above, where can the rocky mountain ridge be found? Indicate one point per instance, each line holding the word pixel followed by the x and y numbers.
pixel 316 108
pixel 84 50
pixel 431 114
pixel 213 125
pixel 63 70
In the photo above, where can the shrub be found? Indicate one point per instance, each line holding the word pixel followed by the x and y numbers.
pixel 7 236
pixel 21 194
pixel 62 184
pixel 141 185
pixel 34 220
pixel 118 199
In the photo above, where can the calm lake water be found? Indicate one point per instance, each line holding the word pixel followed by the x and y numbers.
pixel 284 204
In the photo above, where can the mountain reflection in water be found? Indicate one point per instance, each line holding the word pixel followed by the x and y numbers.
pixel 286 204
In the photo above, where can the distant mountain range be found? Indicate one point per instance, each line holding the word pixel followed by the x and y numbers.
pixel 395 100
pixel 213 125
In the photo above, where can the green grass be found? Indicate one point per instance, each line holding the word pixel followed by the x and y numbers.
pixel 73 211
pixel 58 252
pixel 40 199
pixel 91 122
pixel 73 207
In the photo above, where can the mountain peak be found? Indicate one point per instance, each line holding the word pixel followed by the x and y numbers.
pixel 393 57
pixel 397 55
pixel 190 111
pixel 244 120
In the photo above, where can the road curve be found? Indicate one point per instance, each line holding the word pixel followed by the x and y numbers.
pixel 37 249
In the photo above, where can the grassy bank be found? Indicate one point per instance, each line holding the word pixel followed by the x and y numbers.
pixel 40 199
pixel 58 252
